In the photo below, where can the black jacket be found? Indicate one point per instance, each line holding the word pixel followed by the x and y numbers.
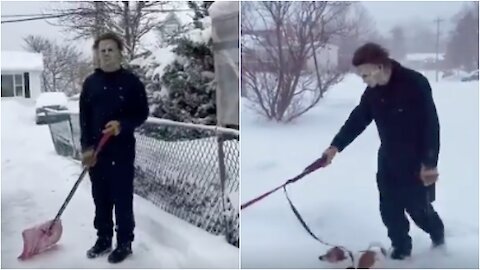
pixel 406 119
pixel 108 96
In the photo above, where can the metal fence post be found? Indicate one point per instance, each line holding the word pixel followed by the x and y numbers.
pixel 221 166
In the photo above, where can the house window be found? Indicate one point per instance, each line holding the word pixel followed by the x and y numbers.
pixel 13 85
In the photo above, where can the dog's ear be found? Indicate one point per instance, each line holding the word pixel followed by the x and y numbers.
pixel 333 255
pixel 367 260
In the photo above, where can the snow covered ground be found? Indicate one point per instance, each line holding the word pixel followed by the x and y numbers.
pixel 35 181
pixel 340 203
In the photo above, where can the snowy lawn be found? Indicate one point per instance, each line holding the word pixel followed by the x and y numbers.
pixel 35 181
pixel 340 203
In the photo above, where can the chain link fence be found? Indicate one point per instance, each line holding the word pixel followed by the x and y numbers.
pixel 188 170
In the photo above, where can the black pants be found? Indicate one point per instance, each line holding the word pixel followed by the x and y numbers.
pixel 416 200
pixel 112 186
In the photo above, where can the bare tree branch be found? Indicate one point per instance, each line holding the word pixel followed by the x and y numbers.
pixel 280 38
pixel 64 69
pixel 131 20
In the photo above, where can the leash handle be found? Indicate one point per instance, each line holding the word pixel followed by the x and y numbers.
pixel 317 164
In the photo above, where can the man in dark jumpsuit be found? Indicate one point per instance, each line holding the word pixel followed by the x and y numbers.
pixel 400 102
pixel 113 100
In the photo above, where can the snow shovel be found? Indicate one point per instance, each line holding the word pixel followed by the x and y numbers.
pixel 44 236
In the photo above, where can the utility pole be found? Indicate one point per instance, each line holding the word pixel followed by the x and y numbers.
pixel 437 47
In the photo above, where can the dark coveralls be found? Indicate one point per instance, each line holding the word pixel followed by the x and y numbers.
pixel 409 131
pixel 108 96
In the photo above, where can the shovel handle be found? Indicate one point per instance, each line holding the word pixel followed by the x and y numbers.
pixel 102 142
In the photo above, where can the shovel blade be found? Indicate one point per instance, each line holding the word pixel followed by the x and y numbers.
pixel 39 239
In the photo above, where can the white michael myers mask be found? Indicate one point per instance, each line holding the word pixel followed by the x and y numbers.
pixel 371 74
pixel 109 55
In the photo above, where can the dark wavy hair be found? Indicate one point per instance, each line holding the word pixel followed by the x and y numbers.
pixel 370 53
pixel 108 36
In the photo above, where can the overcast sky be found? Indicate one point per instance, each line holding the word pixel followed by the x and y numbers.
pixel 389 13
pixel 386 15
pixel 13 33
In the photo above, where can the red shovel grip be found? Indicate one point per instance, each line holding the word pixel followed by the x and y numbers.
pixel 102 142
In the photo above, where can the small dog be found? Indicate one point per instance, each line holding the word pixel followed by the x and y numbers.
pixel 334 255
pixel 337 255
pixel 370 258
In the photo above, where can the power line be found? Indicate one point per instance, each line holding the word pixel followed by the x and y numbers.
pixel 33 19
pixel 36 17
pixel 43 17
pixel 27 15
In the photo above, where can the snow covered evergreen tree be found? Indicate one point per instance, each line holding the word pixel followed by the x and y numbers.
pixel 189 80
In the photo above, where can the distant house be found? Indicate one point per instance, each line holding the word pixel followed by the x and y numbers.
pixel 21 74
pixel 426 61
pixel 173 22
pixel 253 50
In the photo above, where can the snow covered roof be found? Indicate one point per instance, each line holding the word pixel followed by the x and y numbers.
pixel 184 15
pixel 21 61
pixel 423 56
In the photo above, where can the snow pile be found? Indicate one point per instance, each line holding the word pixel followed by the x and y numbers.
pixel 340 203
pixel 35 182
pixel 21 61
pixel 51 99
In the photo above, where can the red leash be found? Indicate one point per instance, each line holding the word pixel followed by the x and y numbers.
pixel 317 164
pixel 335 253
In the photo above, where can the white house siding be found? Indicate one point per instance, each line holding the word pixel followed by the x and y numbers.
pixel 19 63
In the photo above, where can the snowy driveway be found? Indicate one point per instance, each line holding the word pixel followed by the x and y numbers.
pixel 35 181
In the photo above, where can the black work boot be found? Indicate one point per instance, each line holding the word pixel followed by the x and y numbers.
pixel 101 247
pixel 122 251
pixel 400 253
pixel 438 241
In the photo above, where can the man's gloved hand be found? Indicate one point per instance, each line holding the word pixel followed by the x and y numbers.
pixel 330 153
pixel 428 175
pixel 112 128
pixel 324 161
pixel 88 158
